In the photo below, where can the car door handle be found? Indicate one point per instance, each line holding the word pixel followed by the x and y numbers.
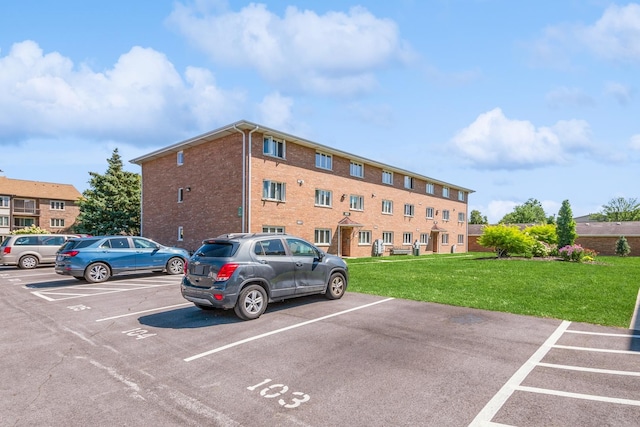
pixel 263 261
pixel 298 264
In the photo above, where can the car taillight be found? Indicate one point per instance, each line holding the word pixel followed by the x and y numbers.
pixel 185 269
pixel 226 271
pixel 6 250
pixel 70 253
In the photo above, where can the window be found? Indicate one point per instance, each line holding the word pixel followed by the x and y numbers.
pixel 430 188
pixel 356 203
pixel 24 206
pixel 356 169
pixel 407 238
pixel 180 195
pixel 116 243
pixel 445 215
pixel 324 161
pixel 387 237
pixel 408 209
pixel 445 239
pixel 271 247
pixel 301 248
pixel 424 238
pixel 4 221
pixel 273 229
pixel 460 216
pixel 364 237
pixel 273 147
pixel 408 182
pixel 180 158
pixel 4 201
pixel 387 207
pixel 323 198
pixel 272 190
pixel 56 205
pixel 56 222
pixel 387 177
pixel 180 233
pixel 429 212
pixel 461 196
pixel 322 236
pixel 445 192
pixel 460 239
pixel 23 222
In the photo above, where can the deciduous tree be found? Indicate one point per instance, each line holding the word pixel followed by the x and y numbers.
pixel 476 218
pixel 531 212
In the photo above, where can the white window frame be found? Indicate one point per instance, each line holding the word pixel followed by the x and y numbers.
pixel 430 212
pixel 387 207
pixel 274 190
pixel 445 238
pixel 424 238
pixel 323 198
pixel 274 147
pixel 356 169
pixel 409 182
pixel 56 205
pixel 364 237
pixel 431 188
pixel 180 233
pixel 461 239
pixel 445 192
pixel 276 229
pixel 409 209
pixel 387 237
pixel 322 236
pixel 56 222
pixel 180 158
pixel 356 202
pixel 461 216
pixel 387 177
pixel 5 201
pixel 324 160
pixel 407 238
pixel 461 196
pixel 4 221
pixel 445 215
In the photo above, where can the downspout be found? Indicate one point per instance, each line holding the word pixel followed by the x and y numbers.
pixel 249 186
pixel 244 176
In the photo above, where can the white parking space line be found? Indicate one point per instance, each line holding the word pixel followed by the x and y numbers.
pixel 579 396
pixel 596 350
pixel 144 311
pixel 592 370
pixel 277 331
pixel 52 295
pixel 497 402
pixel 603 334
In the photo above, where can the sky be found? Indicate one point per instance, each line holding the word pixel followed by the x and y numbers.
pixel 516 100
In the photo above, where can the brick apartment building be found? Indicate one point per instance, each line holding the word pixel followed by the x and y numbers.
pixel 43 204
pixel 248 178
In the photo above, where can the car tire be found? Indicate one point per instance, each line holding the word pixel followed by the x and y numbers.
pixel 336 286
pixel 97 272
pixel 28 262
pixel 175 266
pixel 251 303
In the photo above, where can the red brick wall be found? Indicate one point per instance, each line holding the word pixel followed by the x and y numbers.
pixel 605 245
pixel 68 214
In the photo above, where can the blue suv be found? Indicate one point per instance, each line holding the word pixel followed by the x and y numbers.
pixel 96 259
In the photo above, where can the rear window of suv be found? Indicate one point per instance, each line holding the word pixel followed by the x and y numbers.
pixel 217 250
pixel 77 244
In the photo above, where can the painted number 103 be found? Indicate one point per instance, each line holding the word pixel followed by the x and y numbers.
pixel 276 390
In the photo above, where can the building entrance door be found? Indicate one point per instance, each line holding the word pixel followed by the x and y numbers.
pixel 345 244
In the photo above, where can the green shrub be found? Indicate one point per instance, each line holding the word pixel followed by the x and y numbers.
pixel 506 240
pixel 30 230
pixel 546 233
pixel 622 247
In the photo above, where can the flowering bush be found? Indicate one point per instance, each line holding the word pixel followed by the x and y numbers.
pixel 572 253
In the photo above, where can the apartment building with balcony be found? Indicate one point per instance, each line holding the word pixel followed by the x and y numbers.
pixel 46 205
pixel 246 177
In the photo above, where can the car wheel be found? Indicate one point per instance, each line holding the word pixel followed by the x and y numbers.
pixel 28 262
pixel 251 303
pixel 336 286
pixel 175 266
pixel 97 273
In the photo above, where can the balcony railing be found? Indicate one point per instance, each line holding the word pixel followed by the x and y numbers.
pixel 26 211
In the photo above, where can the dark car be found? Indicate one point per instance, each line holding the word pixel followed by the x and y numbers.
pixel 246 271
pixel 97 258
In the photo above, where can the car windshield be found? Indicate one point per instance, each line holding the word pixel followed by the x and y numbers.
pixel 217 249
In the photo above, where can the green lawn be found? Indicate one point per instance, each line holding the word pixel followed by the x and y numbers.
pixel 602 293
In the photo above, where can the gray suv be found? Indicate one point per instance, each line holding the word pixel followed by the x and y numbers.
pixel 246 271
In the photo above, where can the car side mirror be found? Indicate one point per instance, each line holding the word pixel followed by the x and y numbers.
pixel 320 255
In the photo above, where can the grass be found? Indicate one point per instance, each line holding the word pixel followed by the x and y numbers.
pixel 602 293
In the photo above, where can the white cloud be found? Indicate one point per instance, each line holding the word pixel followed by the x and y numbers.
pixel 335 53
pixel 495 141
pixel 621 93
pixel 275 111
pixel 140 99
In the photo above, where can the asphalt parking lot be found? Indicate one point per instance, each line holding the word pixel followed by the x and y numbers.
pixel 132 352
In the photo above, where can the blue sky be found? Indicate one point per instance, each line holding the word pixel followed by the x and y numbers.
pixel 513 99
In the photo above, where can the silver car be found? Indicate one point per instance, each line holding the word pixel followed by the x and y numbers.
pixel 246 271
pixel 30 250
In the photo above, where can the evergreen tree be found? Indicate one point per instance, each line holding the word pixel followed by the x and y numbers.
pixel 112 204
pixel 477 218
pixel 622 247
pixel 566 226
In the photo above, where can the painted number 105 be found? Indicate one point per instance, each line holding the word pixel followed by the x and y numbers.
pixel 277 390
